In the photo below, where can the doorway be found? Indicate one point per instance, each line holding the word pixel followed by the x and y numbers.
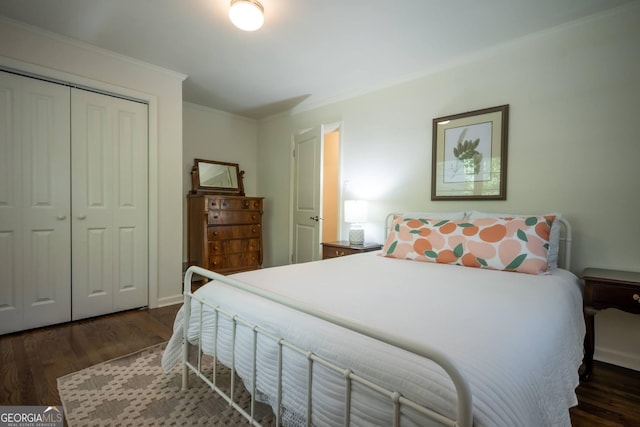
pixel 330 186
pixel 316 191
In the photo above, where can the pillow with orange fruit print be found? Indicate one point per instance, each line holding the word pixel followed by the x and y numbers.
pixel 511 243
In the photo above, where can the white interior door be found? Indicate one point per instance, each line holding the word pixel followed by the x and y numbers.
pixel 110 204
pixel 35 255
pixel 307 223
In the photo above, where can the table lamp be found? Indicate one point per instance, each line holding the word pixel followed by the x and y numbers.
pixel 355 213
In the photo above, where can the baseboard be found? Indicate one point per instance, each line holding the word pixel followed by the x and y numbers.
pixel 618 358
pixel 174 299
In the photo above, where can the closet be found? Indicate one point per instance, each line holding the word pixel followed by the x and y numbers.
pixel 73 203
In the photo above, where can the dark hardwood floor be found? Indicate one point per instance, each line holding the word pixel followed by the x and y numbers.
pixel 610 398
pixel 31 361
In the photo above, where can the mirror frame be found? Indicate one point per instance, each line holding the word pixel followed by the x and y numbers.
pixel 197 187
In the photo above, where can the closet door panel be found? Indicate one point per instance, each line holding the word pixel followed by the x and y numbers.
pixel 34 203
pixel 131 205
pixel 91 223
pixel 46 202
pixel 91 188
pixel 109 146
pixel 11 313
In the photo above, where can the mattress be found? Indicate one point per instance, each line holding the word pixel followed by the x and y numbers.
pixel 517 338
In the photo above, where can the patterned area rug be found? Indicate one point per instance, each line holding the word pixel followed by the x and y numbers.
pixel 133 390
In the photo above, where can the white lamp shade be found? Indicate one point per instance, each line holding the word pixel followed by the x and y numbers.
pixel 248 15
pixel 355 211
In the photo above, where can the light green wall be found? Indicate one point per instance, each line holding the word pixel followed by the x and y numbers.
pixel 574 97
pixel 215 135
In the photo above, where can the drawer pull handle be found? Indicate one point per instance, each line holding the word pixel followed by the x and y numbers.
pixel 339 253
pixel 636 297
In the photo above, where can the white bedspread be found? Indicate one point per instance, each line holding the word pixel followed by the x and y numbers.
pixel 517 338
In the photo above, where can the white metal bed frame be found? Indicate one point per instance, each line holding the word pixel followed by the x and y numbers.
pixel 464 415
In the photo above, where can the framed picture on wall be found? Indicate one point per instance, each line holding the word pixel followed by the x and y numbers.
pixel 469 159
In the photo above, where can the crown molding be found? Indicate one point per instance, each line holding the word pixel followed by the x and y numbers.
pixel 91 48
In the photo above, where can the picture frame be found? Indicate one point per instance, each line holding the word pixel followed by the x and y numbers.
pixel 469 155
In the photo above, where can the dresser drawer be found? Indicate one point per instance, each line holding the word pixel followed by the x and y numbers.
pixel 234 204
pixel 234 217
pixel 334 252
pixel 344 248
pixel 235 261
pixel 221 247
pixel 224 232
pixel 623 297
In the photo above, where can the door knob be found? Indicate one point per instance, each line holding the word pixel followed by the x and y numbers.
pixel 315 218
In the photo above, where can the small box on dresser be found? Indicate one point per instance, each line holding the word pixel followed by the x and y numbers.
pixel 225 232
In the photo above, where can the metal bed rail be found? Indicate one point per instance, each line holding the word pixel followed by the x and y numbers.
pixel 464 400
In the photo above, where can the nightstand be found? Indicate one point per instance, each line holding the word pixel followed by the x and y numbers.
pixel 342 248
pixel 606 289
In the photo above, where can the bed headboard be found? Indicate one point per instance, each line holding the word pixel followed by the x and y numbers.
pixel 564 256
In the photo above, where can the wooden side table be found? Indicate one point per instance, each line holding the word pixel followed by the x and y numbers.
pixel 606 289
pixel 342 248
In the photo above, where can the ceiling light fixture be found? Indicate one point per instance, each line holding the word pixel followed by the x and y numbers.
pixel 248 15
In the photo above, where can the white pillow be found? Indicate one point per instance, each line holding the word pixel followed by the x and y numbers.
pixel 554 237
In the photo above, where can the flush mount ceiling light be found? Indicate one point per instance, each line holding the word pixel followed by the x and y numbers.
pixel 248 15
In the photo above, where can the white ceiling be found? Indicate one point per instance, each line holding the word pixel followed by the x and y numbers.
pixel 308 52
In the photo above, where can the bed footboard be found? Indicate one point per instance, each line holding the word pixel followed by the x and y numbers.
pixel 464 415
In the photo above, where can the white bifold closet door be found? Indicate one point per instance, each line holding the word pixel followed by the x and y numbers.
pixel 35 252
pixel 109 204
pixel 73 203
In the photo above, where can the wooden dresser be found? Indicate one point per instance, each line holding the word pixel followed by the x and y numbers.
pixel 225 232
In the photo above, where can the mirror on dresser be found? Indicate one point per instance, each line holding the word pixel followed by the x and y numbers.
pixel 213 177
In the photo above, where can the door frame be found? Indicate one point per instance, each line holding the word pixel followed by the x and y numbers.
pixel 44 73
pixel 324 129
